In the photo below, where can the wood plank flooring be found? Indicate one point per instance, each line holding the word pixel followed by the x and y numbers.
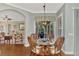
pixel 14 50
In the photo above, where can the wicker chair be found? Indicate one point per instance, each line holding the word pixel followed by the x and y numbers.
pixel 33 46
pixel 58 47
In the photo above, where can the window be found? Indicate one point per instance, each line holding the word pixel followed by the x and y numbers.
pixel 59 23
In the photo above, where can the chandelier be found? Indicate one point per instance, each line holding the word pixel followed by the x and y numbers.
pixel 6 18
pixel 44 22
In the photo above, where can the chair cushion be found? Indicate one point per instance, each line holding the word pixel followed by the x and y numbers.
pixel 36 50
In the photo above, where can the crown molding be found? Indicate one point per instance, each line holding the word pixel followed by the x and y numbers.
pixel 12 5
pixel 16 6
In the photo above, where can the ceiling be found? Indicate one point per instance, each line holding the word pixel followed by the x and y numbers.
pixel 38 7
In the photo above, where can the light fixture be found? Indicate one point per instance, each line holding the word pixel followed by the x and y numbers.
pixel 44 22
pixel 7 22
pixel 6 18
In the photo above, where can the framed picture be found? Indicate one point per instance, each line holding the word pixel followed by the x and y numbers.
pixel 21 26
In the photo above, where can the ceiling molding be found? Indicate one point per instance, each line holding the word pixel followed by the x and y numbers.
pixel 17 7
pixel 22 8
pixel 13 11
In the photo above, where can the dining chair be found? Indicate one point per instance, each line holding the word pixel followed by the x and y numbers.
pixel 32 45
pixel 58 47
pixel 7 38
pixel 35 36
pixel 44 51
pixel 34 49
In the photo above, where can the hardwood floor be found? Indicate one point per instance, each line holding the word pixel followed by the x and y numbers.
pixel 14 50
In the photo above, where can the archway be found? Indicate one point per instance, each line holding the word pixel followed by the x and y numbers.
pixel 12 24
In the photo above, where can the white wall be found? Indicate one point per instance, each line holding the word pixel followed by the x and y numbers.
pixel 76 31
pixel 69 26
pixel 74 23
pixel 69 29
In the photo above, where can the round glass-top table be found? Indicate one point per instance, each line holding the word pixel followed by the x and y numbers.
pixel 44 41
pixel 45 45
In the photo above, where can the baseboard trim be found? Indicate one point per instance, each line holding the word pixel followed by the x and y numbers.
pixel 68 53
